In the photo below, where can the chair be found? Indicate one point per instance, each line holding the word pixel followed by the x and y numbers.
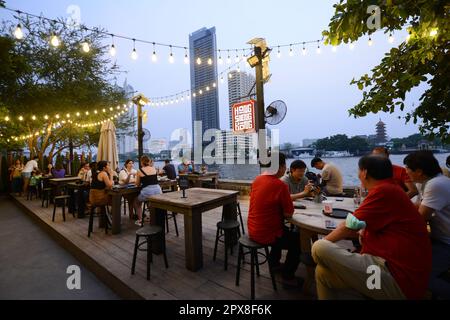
pixel 228 227
pixel 63 201
pixel 103 215
pixel 46 194
pixel 148 232
pixel 32 190
pixel 252 246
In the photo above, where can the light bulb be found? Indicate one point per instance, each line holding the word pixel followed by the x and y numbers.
pixel 33 118
pixel 220 60
pixel 230 76
pixel 171 58
pixel 134 54
pixel 291 52
pixel 55 41
pixel 20 118
pixel 85 47
pixel 433 32
pixel 278 54
pixel 334 48
pixel 391 38
pixel 351 46
pixel 304 51
pixel 18 33
pixel 112 51
pixel 318 50
pixel 199 61
pixel 221 79
pixel 154 57
pixel 228 60
pixel 46 117
pixel 238 69
pixel 210 61
pixel 370 43
pixel 186 59
pixel 6 118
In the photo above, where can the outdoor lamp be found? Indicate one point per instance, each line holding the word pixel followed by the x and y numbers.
pixel 140 99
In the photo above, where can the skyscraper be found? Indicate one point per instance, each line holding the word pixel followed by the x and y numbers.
pixel 239 86
pixel 126 140
pixel 203 55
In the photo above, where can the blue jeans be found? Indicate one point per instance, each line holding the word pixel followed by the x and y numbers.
pixel 441 263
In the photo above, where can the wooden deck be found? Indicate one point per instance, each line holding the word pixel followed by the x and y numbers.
pixel 109 257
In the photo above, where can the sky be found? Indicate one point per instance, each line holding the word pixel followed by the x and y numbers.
pixel 315 87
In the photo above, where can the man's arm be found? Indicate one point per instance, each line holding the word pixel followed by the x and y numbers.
pixel 411 189
pixel 341 233
pixel 426 212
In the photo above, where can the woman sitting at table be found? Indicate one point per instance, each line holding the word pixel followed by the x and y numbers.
pixel 101 182
pixel 126 176
pixel 148 176
pixel 58 171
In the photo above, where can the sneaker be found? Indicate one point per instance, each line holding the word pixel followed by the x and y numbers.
pixel 138 223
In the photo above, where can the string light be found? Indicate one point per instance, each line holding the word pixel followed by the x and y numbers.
pixel 220 58
pixel 237 57
pixel 112 50
pixel 279 53
pixel 186 57
pixel 134 54
pixel 7 119
pixel 351 46
pixel 171 58
pixel 318 47
pixel 228 58
pixel 54 41
pixel 291 52
pixel 370 43
pixel 210 61
pixel 304 49
pixel 199 61
pixel 391 38
pixel 85 46
pixel 154 56
pixel 433 32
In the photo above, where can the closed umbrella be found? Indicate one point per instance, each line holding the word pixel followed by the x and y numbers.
pixel 107 146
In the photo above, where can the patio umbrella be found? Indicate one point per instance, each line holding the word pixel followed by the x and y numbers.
pixel 107 146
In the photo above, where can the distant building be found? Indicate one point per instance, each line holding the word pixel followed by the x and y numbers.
pixel 205 105
pixel 234 146
pixel 157 145
pixel 126 140
pixel 309 142
pixel 240 86
pixel 381 136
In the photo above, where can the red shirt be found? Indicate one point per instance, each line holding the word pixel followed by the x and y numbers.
pixel 397 233
pixel 269 200
pixel 400 176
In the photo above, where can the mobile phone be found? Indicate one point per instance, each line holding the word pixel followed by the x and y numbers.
pixel 329 224
pixel 339 199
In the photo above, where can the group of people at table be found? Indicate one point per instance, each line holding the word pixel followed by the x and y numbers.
pixel 403 227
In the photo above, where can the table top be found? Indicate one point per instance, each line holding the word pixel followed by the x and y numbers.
pixel 313 219
pixel 195 197
pixel 201 175
pixel 132 188
pixel 67 179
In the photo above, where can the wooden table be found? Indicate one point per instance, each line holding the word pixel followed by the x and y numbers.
pixel 197 179
pixel 117 194
pixel 311 222
pixel 197 201
pixel 60 182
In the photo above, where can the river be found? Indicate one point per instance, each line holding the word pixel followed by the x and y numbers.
pixel 348 167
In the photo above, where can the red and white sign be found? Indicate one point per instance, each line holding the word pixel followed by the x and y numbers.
pixel 243 115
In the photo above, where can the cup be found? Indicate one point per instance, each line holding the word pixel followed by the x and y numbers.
pixel 328 206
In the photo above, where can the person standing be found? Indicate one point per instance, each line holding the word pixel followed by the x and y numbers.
pixel 434 206
pixel 399 174
pixel 395 259
pixel 26 172
pixel 16 177
pixel 270 204
pixel 332 182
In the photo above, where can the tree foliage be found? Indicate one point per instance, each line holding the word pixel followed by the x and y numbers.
pixel 424 58
pixel 38 79
pixel 342 142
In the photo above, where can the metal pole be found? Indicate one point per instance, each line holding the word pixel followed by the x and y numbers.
pixel 140 134
pixel 259 114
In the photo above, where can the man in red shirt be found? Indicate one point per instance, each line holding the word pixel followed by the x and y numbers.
pixel 270 204
pixel 395 260
pixel 400 175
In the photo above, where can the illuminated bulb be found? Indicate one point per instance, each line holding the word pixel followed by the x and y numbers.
pixel 134 54
pixel 57 116
pixel 220 60
pixel 221 79
pixel 279 54
pixel 304 51
pixel 6 118
pixel 351 46
pixel 207 88
pixel 20 118
pixel 230 76
pixel 68 115
pixel 87 113
pixel 291 52
pixel 210 61
pixel 370 43
pixel 334 48
pixel 186 59
pixel 112 51
pixel 78 114
pixel 104 110
pixel 85 47
pixel 54 41
pixel 33 118
pixel 154 57
pixel 95 111
pixel 318 50
pixel 228 60
pixel 199 61
pixel 111 109
pixel 171 58
pixel 46 117
pixel 200 92
pixel 391 38
pixel 214 85
pixel 194 95
pixel 433 32
pixel 18 33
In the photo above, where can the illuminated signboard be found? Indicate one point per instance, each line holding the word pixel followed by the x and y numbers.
pixel 243 114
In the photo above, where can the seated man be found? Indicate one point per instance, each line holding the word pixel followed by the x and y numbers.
pixel 399 174
pixel 185 167
pixel 331 177
pixel 395 260
pixel 270 204
pixel 169 170
pixel 434 207
pixel 298 184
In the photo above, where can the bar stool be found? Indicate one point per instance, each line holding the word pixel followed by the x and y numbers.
pixel 64 201
pixel 148 232
pixel 239 214
pixel 46 193
pixel 32 190
pixel 252 246
pixel 103 215
pixel 171 215
pixel 228 227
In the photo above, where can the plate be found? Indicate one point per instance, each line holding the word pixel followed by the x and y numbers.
pixel 338 213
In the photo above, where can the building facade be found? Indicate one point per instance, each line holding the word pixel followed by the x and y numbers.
pixel 241 87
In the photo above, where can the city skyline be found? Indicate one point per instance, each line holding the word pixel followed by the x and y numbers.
pixel 315 87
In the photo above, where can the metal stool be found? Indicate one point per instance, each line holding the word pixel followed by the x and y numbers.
pixel 239 214
pixel 172 216
pixel 32 190
pixel 148 232
pixel 252 246
pixel 64 200
pixel 103 215
pixel 228 227
pixel 46 194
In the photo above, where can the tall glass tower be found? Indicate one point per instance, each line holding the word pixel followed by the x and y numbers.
pixel 203 55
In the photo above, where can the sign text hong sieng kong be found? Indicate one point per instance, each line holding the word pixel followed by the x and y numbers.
pixel 244 117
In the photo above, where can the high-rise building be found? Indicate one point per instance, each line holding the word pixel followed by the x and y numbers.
pixel 203 55
pixel 126 140
pixel 241 87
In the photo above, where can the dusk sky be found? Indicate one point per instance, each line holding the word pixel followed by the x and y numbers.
pixel 315 87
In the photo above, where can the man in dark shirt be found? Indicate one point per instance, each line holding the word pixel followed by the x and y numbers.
pixel 169 169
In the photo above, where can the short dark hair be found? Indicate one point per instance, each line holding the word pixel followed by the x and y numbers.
pixel 128 161
pixel 315 161
pixel 298 164
pixel 423 160
pixel 378 167
pixel 167 161
pixel 101 165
